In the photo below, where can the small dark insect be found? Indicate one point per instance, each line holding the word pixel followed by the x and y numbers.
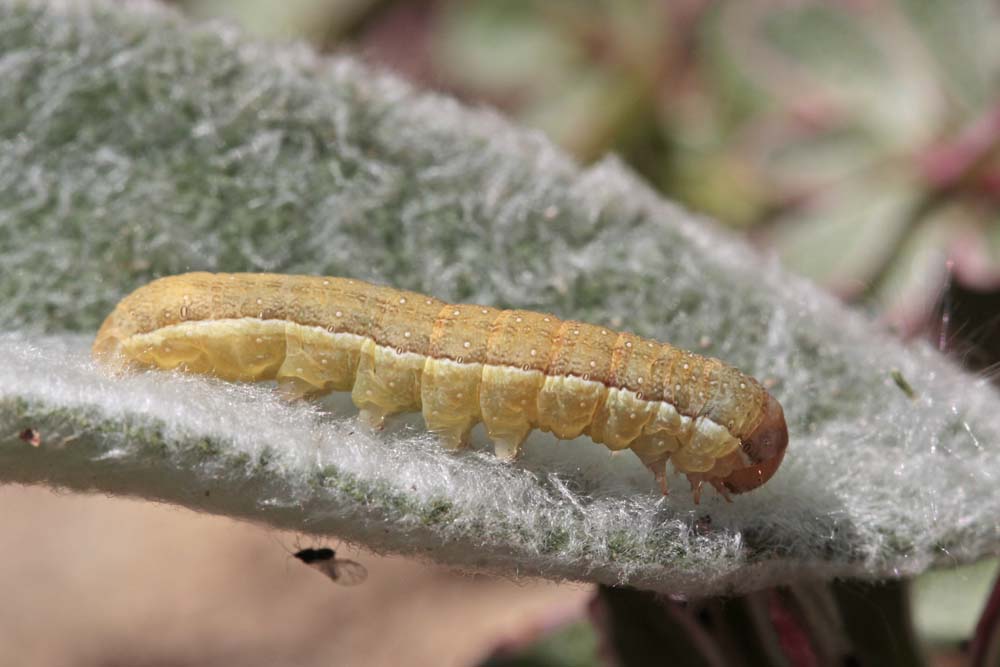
pixel 31 436
pixel 903 385
pixel 342 571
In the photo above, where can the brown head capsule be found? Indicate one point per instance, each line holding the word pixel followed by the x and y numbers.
pixel 513 370
pixel 764 447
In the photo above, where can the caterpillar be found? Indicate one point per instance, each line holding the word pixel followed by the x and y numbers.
pixel 513 370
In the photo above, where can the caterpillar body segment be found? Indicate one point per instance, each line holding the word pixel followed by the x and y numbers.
pixel 513 370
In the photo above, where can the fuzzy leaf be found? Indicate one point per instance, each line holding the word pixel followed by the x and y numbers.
pixel 134 145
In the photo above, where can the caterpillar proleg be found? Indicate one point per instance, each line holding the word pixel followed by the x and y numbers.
pixel 513 370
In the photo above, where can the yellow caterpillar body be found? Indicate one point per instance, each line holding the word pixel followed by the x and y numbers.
pixel 513 370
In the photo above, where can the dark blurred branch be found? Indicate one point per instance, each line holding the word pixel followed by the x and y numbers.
pixel 644 629
pixel 878 623
pixel 641 628
pixel 846 624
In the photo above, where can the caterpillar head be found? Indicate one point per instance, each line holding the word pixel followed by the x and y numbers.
pixel 765 447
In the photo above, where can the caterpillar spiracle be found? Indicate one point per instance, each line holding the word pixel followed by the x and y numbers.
pixel 513 370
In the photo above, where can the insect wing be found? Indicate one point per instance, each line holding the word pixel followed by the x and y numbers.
pixel 344 572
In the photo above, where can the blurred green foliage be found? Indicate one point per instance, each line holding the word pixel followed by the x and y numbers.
pixel 574 644
pixel 947 603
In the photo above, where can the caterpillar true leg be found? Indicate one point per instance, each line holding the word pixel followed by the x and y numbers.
pixel 695 481
pixel 659 470
pixel 721 488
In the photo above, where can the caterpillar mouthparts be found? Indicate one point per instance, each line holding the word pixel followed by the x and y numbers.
pixel 765 447
pixel 513 370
